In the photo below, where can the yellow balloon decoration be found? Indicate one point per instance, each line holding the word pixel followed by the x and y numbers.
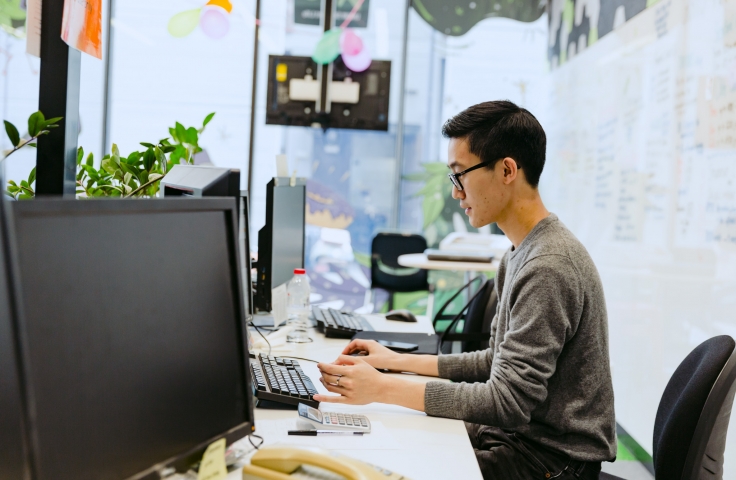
pixel 184 23
pixel 225 4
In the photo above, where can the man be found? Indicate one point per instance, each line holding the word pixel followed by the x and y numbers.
pixel 538 403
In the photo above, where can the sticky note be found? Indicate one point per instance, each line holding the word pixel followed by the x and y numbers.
pixel 213 466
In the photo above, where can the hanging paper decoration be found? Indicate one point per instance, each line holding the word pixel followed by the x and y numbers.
pixel 346 42
pixel 212 18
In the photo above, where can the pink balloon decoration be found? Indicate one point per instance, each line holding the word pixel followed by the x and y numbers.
pixel 359 62
pixel 350 42
pixel 214 22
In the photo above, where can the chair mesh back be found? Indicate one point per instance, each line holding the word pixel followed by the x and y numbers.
pixel 477 318
pixel 682 404
pixel 386 273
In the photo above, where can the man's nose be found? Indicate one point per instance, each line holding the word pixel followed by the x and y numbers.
pixel 457 194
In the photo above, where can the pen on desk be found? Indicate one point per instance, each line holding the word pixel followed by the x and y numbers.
pixel 314 433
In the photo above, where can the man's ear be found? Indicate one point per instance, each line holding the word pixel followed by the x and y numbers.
pixel 510 170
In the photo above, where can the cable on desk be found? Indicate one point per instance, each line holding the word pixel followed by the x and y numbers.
pixel 264 338
pixel 299 358
pixel 250 439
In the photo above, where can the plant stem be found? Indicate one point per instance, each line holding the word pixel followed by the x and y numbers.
pixel 21 145
pixel 147 184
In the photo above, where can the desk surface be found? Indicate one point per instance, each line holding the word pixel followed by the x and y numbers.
pixel 421 447
pixel 420 260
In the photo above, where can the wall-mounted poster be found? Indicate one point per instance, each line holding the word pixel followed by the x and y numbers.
pixel 81 26
pixel 309 12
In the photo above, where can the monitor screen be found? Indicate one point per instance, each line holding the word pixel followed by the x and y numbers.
pixel 12 458
pixel 287 242
pixel 134 320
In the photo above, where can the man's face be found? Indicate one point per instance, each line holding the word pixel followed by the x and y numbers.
pixel 484 196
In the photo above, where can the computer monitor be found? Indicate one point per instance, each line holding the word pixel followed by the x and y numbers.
pixel 281 240
pixel 134 328
pixel 14 462
pixel 198 181
pixel 201 181
pixel 244 244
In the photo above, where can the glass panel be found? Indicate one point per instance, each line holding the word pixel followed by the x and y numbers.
pixel 158 79
pixel 351 174
pixel 19 76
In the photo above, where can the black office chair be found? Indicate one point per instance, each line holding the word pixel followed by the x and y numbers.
pixel 693 415
pixel 477 315
pixel 387 274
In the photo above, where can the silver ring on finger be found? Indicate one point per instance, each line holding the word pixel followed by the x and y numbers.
pixel 338 381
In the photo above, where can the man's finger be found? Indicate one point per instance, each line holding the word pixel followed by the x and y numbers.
pixel 331 387
pixel 345 360
pixel 330 398
pixel 331 368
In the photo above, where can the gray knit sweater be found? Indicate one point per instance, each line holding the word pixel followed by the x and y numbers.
pixel 546 374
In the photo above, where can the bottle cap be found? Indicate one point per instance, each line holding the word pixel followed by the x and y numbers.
pixel 299 271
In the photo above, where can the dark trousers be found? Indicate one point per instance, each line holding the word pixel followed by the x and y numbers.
pixel 506 455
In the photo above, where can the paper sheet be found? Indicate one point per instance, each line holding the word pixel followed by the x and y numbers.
pixel 275 431
pixel 81 26
pixel 33 27
pixel 213 466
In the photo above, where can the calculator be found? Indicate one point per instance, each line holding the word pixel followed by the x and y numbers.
pixel 313 419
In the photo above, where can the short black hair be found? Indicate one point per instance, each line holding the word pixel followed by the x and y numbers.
pixel 500 129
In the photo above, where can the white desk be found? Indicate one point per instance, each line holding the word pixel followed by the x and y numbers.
pixel 420 260
pixel 422 447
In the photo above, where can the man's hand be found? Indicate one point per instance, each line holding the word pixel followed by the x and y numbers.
pixel 376 354
pixel 354 379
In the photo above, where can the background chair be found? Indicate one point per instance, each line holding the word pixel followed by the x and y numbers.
pixel 693 415
pixel 387 274
pixel 477 315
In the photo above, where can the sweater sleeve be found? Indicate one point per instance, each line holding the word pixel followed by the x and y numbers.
pixel 545 307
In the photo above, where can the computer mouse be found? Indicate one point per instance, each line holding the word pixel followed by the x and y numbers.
pixel 401 315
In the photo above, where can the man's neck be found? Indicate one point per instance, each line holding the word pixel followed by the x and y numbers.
pixel 523 214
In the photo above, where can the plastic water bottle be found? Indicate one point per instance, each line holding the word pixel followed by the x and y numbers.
pixel 297 306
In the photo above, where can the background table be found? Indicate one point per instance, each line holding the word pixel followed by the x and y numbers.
pixel 420 260
pixel 424 447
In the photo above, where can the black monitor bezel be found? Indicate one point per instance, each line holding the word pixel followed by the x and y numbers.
pixel 226 205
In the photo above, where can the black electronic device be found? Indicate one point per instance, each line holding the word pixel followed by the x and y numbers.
pixel 134 332
pixel 401 315
pixel 399 346
pixel 281 240
pixel 201 181
pixel 14 460
pixel 358 100
pixel 336 324
pixel 281 383
pixel 244 246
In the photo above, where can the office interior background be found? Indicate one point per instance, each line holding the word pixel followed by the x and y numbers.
pixel 636 96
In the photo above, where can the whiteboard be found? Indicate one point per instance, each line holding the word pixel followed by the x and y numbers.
pixel 641 166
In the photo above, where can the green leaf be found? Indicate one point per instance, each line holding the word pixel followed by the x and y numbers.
pixel 180 133
pixel 109 166
pixel 91 159
pixel 432 206
pixel 32 176
pixel 154 177
pixel 168 148
pixel 12 132
pixel 192 136
pixel 160 157
pixel 133 158
pixel 23 183
pixel 25 196
pixel 172 132
pixel 433 185
pixel 143 177
pixel 416 177
pixel 149 158
pixel 127 177
pixel 164 141
pixel 35 123
pixel 207 119
pixel 31 145
pixel 115 154
pixel 12 182
pixel 147 145
pixel 52 122
pixel 80 155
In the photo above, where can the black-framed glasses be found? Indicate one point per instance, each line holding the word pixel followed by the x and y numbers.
pixel 455 177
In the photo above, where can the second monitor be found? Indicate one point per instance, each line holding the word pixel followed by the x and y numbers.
pixel 281 240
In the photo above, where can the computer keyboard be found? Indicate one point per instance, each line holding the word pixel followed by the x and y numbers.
pixel 336 324
pixel 281 380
